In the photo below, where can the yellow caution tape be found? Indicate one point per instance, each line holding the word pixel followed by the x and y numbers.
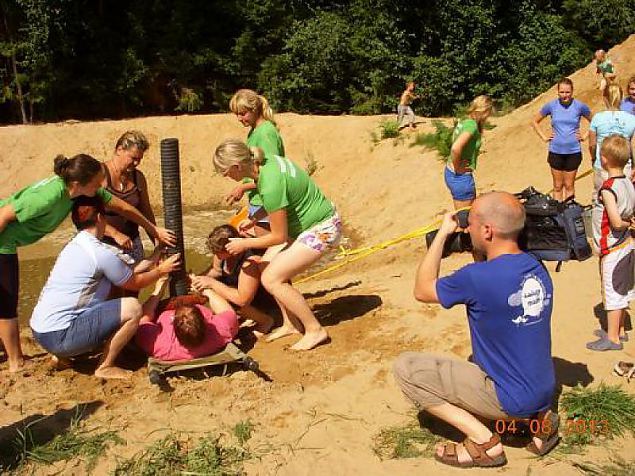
pixel 360 253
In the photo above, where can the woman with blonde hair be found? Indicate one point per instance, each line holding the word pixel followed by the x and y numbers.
pixel 253 110
pixel 565 151
pixel 605 123
pixel 466 145
pixel 125 181
pixel 300 215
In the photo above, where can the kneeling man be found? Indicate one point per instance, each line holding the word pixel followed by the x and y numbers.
pixel 73 315
pixel 508 295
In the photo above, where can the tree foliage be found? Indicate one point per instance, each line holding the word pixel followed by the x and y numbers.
pixel 92 59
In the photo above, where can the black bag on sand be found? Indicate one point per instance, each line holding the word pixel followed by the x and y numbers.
pixel 553 231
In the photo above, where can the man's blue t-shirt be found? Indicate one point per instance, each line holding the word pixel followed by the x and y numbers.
pixel 565 122
pixel 606 123
pixel 509 301
pixel 627 105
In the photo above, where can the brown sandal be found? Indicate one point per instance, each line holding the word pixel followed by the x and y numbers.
pixel 550 438
pixel 477 452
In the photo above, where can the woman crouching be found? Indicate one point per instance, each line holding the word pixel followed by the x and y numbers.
pixel 304 223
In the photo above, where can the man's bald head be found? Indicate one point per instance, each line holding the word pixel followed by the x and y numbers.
pixel 502 211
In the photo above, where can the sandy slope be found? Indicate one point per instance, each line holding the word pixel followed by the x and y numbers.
pixel 323 408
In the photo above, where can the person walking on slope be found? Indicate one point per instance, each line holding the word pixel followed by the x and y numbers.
pixel 404 110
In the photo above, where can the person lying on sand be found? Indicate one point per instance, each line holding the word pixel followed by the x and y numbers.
pixel 508 296
pixel 73 316
pixel 185 330
pixel 235 278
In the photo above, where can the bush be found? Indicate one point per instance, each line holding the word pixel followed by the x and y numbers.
pixel 189 101
pixel 440 140
pixel 389 129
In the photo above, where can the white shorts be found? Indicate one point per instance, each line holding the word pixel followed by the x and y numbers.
pixel 617 272
pixel 323 235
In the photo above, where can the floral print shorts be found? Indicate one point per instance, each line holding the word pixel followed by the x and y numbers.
pixel 324 234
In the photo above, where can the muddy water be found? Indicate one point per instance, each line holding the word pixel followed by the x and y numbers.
pixel 37 260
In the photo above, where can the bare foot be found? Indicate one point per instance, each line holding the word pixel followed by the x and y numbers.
pixel 112 373
pixel 311 340
pixel 280 332
pixel 59 363
pixel 19 365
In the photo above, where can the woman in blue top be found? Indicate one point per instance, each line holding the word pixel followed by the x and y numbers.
pixel 606 123
pixel 565 152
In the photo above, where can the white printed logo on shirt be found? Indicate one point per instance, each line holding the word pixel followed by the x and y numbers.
pixel 533 299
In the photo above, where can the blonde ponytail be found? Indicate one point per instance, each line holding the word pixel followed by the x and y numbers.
pixel 248 100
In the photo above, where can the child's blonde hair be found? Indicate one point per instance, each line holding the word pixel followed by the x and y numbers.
pixel 481 106
pixel 248 100
pixel 613 97
pixel 235 152
pixel 616 150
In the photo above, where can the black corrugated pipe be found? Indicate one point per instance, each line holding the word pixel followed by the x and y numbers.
pixel 171 181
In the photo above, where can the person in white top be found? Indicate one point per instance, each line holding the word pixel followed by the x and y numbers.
pixel 73 316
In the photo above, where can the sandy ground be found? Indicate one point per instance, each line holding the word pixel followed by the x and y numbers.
pixel 321 410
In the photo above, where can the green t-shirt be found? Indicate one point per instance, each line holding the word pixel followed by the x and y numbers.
pixel 268 138
pixel 39 209
pixel 282 184
pixel 605 67
pixel 473 146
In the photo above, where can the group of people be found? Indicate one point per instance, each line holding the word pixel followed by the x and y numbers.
pixel 90 299
pixel 508 294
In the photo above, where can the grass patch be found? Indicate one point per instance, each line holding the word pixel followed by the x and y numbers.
pixel 176 455
pixel 408 441
pixel 388 129
pixel 243 431
pixel 439 140
pixel 606 411
pixel 616 467
pixel 88 445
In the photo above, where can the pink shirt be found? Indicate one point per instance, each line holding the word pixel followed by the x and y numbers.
pixel 158 339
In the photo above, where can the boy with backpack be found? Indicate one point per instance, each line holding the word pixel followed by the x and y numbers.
pixel 611 219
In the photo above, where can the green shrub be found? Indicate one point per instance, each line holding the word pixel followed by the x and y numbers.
pixel 189 101
pixel 439 140
pixel 389 129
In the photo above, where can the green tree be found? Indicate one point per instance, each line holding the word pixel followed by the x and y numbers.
pixel 601 24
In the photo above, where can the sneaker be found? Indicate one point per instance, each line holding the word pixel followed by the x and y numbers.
pixel 602 333
pixel 604 343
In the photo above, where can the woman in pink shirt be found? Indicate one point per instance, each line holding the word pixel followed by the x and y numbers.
pixel 186 331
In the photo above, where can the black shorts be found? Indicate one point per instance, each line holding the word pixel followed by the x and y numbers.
pixel 9 286
pixel 565 162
